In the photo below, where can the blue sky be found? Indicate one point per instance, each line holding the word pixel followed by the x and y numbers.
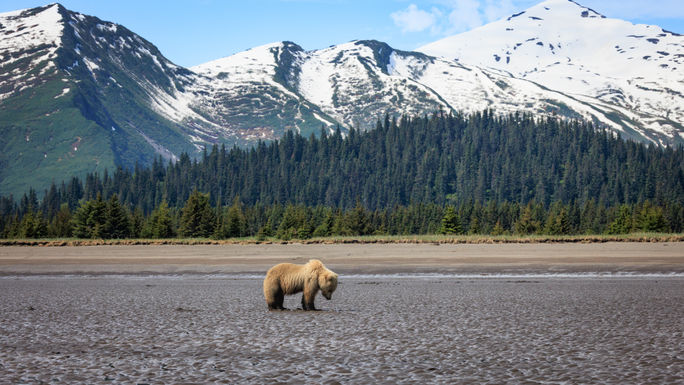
pixel 191 32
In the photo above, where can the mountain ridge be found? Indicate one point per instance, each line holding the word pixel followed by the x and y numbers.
pixel 78 94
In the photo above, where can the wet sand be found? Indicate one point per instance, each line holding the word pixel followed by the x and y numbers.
pixel 381 330
pixel 355 258
pixel 402 314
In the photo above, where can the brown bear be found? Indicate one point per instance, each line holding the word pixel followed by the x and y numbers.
pixel 288 278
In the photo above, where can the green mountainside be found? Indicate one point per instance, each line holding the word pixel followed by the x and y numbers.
pixel 78 115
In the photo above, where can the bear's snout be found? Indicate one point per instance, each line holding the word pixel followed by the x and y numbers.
pixel 327 296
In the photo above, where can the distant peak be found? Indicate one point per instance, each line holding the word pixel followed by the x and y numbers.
pixel 28 12
pixel 370 43
pixel 292 46
pixel 588 11
pixel 566 6
pixel 60 8
pixel 551 8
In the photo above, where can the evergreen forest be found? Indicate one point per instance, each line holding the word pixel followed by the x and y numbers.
pixel 482 173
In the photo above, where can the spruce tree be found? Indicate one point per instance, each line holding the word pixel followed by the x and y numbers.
pixel 198 218
pixel 498 229
pixel 650 219
pixel 325 228
pixel 235 224
pixel 622 224
pixel 526 224
pixel 557 221
pixel 97 217
pixel 32 225
pixel 61 225
pixel 117 223
pixel 89 218
pixel 81 228
pixel 160 223
pixel 475 225
pixel 356 221
pixel 137 223
pixel 451 222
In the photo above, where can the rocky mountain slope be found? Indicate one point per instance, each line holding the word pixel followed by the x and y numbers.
pixel 78 94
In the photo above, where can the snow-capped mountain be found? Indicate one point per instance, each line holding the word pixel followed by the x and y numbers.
pixel 348 84
pixel 78 94
pixel 612 65
pixel 249 96
pixel 356 83
pixel 555 59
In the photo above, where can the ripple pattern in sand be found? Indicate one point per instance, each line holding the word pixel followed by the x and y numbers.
pixel 190 330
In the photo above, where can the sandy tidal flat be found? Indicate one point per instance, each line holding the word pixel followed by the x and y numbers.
pixel 355 258
pixel 402 314
pixel 382 330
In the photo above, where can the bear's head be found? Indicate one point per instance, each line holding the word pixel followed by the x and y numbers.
pixel 327 282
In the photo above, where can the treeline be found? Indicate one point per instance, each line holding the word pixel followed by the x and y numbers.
pixel 108 219
pixel 402 175
pixel 440 159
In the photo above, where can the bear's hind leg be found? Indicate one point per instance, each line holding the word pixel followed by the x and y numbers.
pixel 277 301
pixel 280 298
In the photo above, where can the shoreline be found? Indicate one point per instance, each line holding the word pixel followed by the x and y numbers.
pixel 391 258
pixel 371 239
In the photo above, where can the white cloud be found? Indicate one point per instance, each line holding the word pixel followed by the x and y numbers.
pixel 469 14
pixel 464 15
pixel 495 10
pixel 452 16
pixel 413 19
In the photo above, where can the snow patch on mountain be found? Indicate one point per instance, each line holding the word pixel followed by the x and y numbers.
pixel 254 66
pixel 64 92
pixel 24 30
pixel 249 65
pixel 108 27
pixel 317 79
pixel 154 58
pixel 32 35
pixel 92 66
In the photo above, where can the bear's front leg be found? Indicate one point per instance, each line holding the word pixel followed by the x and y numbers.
pixel 307 304
pixel 308 296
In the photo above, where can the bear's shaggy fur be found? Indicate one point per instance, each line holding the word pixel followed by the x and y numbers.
pixel 288 278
